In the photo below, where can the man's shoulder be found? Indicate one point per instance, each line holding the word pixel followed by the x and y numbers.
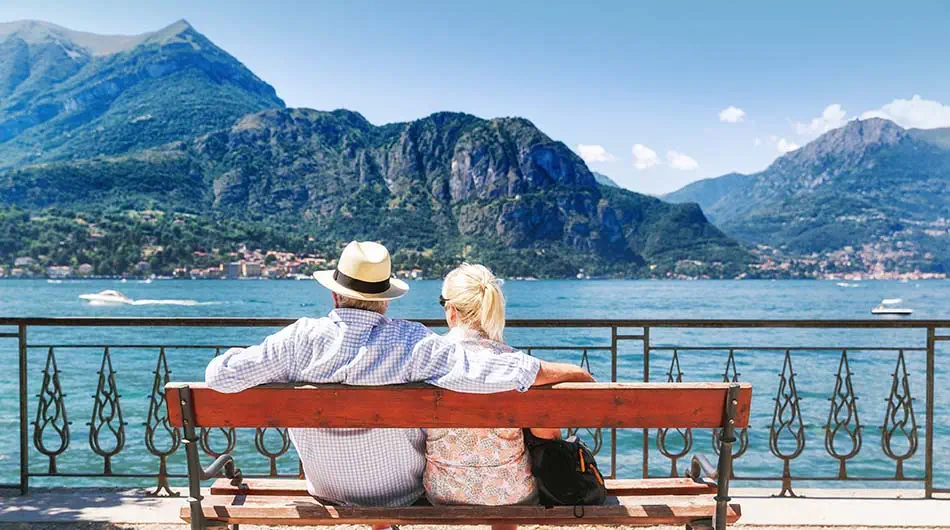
pixel 406 327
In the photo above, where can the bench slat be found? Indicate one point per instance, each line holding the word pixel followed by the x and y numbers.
pixel 634 511
pixel 639 487
pixel 621 405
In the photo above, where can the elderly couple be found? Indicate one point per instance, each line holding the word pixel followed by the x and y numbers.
pixel 357 345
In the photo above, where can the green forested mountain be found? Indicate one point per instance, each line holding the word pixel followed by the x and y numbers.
pixel 68 95
pixel 450 184
pixel 159 148
pixel 870 186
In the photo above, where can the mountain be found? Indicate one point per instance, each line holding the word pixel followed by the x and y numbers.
pixel 869 189
pixel 497 190
pixel 604 180
pixel 69 95
pixel 163 148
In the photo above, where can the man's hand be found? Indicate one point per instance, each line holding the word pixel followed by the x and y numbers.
pixel 551 373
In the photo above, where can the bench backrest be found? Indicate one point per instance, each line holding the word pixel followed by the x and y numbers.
pixel 622 405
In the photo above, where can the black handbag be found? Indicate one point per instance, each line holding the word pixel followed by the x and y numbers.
pixel 565 471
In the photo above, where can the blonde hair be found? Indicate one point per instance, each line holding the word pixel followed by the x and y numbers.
pixel 376 306
pixel 476 295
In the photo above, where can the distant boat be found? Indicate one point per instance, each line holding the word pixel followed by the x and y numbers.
pixel 888 306
pixel 846 284
pixel 54 281
pixel 106 297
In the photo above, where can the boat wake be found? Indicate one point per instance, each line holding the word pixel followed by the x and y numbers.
pixel 117 298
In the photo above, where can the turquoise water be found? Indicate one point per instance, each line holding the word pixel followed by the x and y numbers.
pixel 872 370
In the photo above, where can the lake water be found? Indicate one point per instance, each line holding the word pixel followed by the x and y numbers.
pixel 815 380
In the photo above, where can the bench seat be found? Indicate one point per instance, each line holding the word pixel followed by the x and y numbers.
pixel 302 511
pixel 298 488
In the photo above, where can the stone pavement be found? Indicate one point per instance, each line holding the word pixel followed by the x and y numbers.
pixel 817 508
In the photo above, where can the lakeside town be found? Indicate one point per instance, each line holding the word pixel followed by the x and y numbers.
pixel 848 264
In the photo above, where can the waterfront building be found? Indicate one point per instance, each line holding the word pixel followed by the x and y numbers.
pixel 250 270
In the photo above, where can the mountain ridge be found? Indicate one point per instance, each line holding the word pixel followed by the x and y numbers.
pixel 869 185
pixel 173 136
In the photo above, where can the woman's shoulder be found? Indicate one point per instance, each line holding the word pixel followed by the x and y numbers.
pixel 476 339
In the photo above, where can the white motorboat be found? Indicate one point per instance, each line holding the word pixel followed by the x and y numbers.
pixel 106 297
pixel 891 306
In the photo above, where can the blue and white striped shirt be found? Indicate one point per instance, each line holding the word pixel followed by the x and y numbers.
pixel 368 467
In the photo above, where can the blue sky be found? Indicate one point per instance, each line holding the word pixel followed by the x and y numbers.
pixel 638 88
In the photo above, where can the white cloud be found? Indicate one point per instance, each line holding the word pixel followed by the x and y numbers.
pixel 831 118
pixel 784 146
pixel 680 161
pixel 594 153
pixel 915 112
pixel 756 141
pixel 644 157
pixel 731 114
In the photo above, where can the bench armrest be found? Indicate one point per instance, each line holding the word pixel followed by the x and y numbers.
pixel 702 470
pixel 226 463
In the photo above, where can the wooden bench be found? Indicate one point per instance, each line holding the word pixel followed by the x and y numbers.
pixel 644 502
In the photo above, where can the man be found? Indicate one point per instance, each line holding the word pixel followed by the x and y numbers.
pixel 357 345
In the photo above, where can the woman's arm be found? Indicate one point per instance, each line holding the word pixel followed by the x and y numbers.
pixel 547 434
pixel 551 373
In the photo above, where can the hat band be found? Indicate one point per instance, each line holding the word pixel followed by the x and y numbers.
pixel 359 285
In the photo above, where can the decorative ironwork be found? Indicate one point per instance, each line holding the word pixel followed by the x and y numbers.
pixel 260 442
pixel 787 422
pixel 595 436
pixel 899 418
pixel 674 375
pixel 731 375
pixel 106 415
pixel 51 413
pixel 52 432
pixel 205 435
pixel 843 422
pixel 157 425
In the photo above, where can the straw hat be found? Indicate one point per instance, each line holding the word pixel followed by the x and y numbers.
pixel 363 272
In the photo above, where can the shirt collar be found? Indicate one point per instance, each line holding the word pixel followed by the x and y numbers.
pixel 461 333
pixel 351 316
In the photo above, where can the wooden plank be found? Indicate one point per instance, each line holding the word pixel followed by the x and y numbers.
pixel 621 405
pixel 301 511
pixel 621 487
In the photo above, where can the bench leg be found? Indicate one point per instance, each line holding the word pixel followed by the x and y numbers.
pixel 724 469
pixel 701 524
pixel 194 464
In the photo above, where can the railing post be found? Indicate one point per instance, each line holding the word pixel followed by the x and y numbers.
pixel 646 379
pixel 613 379
pixel 24 421
pixel 929 433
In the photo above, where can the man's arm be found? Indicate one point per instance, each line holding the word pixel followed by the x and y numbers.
pixel 551 373
pixel 268 362
pixel 447 364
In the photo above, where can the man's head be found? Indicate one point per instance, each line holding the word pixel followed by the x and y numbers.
pixel 363 278
pixel 376 306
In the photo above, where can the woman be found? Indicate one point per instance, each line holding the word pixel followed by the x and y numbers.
pixel 478 466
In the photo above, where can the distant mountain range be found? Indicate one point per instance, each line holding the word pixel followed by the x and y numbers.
pixel 870 191
pixel 604 180
pixel 94 127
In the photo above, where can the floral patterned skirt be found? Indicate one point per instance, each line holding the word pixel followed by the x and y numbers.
pixel 478 467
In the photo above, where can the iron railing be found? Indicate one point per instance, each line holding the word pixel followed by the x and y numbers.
pixel 51 433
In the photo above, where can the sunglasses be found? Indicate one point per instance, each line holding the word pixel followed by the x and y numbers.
pixel 443 300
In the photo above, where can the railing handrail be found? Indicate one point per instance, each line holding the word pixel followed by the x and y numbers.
pixel 514 323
